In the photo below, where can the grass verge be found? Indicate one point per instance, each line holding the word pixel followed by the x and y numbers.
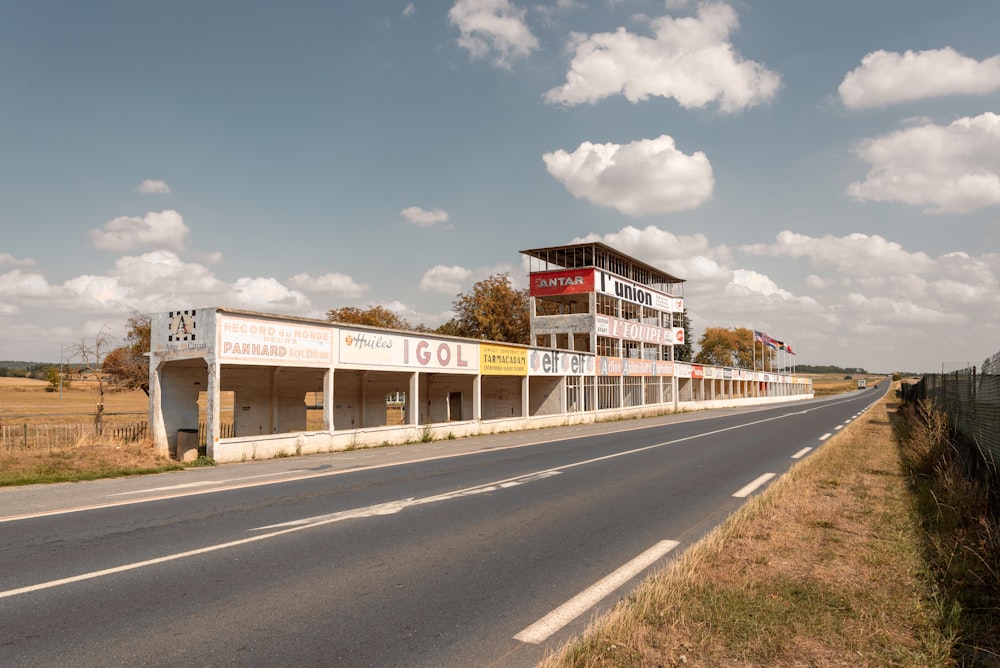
pixel 89 459
pixel 825 568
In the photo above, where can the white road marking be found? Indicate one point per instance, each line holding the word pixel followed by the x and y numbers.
pixel 579 604
pixel 749 489
pixel 825 436
pixel 205 483
pixel 801 453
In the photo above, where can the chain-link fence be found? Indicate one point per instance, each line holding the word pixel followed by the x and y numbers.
pixel 971 400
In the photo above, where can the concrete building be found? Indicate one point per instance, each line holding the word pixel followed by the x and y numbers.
pixel 604 328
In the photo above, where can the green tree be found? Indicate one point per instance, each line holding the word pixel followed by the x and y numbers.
pixel 492 310
pixel 726 347
pixel 376 316
pixel 127 367
pixel 684 352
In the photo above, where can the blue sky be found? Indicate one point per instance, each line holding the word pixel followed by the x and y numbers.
pixel 826 172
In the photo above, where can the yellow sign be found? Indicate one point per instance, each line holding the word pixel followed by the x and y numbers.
pixel 502 361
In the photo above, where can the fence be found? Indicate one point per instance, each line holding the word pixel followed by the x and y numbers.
pixel 971 400
pixel 29 436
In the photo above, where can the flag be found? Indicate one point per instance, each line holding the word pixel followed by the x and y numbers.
pixel 757 336
pixel 780 345
pixel 768 341
pixel 789 349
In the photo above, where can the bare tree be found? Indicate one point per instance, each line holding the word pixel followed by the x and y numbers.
pixel 92 362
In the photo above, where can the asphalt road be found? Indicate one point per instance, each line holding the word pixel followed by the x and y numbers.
pixel 475 552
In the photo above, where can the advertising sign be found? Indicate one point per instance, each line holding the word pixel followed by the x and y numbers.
pixel 563 282
pixel 249 341
pixel 364 348
pixel 559 363
pixel 632 330
pixel 497 360
pixel 615 286
pixel 618 366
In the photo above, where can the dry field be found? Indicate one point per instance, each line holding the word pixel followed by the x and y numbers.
pixel 27 402
pixel 825 384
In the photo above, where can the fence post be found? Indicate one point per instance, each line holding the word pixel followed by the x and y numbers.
pixel 24 437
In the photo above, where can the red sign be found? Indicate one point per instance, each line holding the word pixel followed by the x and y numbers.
pixel 563 282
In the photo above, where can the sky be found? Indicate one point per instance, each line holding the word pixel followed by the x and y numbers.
pixel 825 172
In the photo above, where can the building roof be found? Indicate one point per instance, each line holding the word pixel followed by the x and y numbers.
pixel 602 256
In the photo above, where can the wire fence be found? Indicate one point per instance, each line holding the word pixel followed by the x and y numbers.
pixel 46 437
pixel 971 400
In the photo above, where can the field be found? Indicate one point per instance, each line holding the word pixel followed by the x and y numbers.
pixel 26 404
pixel 28 400
pixel 825 384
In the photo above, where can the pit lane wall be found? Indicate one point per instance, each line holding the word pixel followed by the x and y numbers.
pixel 283 386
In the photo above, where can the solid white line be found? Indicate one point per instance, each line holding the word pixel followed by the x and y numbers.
pixel 579 604
pixel 825 436
pixel 801 453
pixel 749 489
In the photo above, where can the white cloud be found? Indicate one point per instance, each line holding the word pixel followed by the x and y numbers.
pixel 6 259
pixel 153 187
pixel 864 301
pixel 446 280
pixel 493 29
pixel 646 177
pixel 164 229
pixel 18 284
pixel 886 78
pixel 266 294
pixel 409 10
pixel 690 59
pixel 333 283
pixel 424 218
pixel 851 255
pixel 947 169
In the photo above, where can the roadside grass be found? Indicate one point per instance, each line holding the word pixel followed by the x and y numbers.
pixel 89 459
pixel 826 567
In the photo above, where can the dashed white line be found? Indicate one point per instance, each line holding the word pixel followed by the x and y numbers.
pixel 825 436
pixel 749 489
pixel 579 604
pixel 801 453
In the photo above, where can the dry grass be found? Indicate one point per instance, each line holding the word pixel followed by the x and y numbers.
pixel 27 401
pixel 824 568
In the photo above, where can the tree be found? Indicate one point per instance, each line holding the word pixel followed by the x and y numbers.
pixel 683 352
pixel 127 366
pixel 376 316
pixel 726 347
pixel 93 358
pixel 492 310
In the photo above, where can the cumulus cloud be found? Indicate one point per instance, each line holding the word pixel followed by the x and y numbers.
pixel 424 218
pixel 164 229
pixel 446 280
pixel 646 177
pixel 885 78
pixel 409 10
pixel 946 169
pixel 333 283
pixel 153 187
pixel 855 254
pixel 8 260
pixel 493 29
pixel 862 301
pixel 690 59
pixel 266 294
pixel 20 284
